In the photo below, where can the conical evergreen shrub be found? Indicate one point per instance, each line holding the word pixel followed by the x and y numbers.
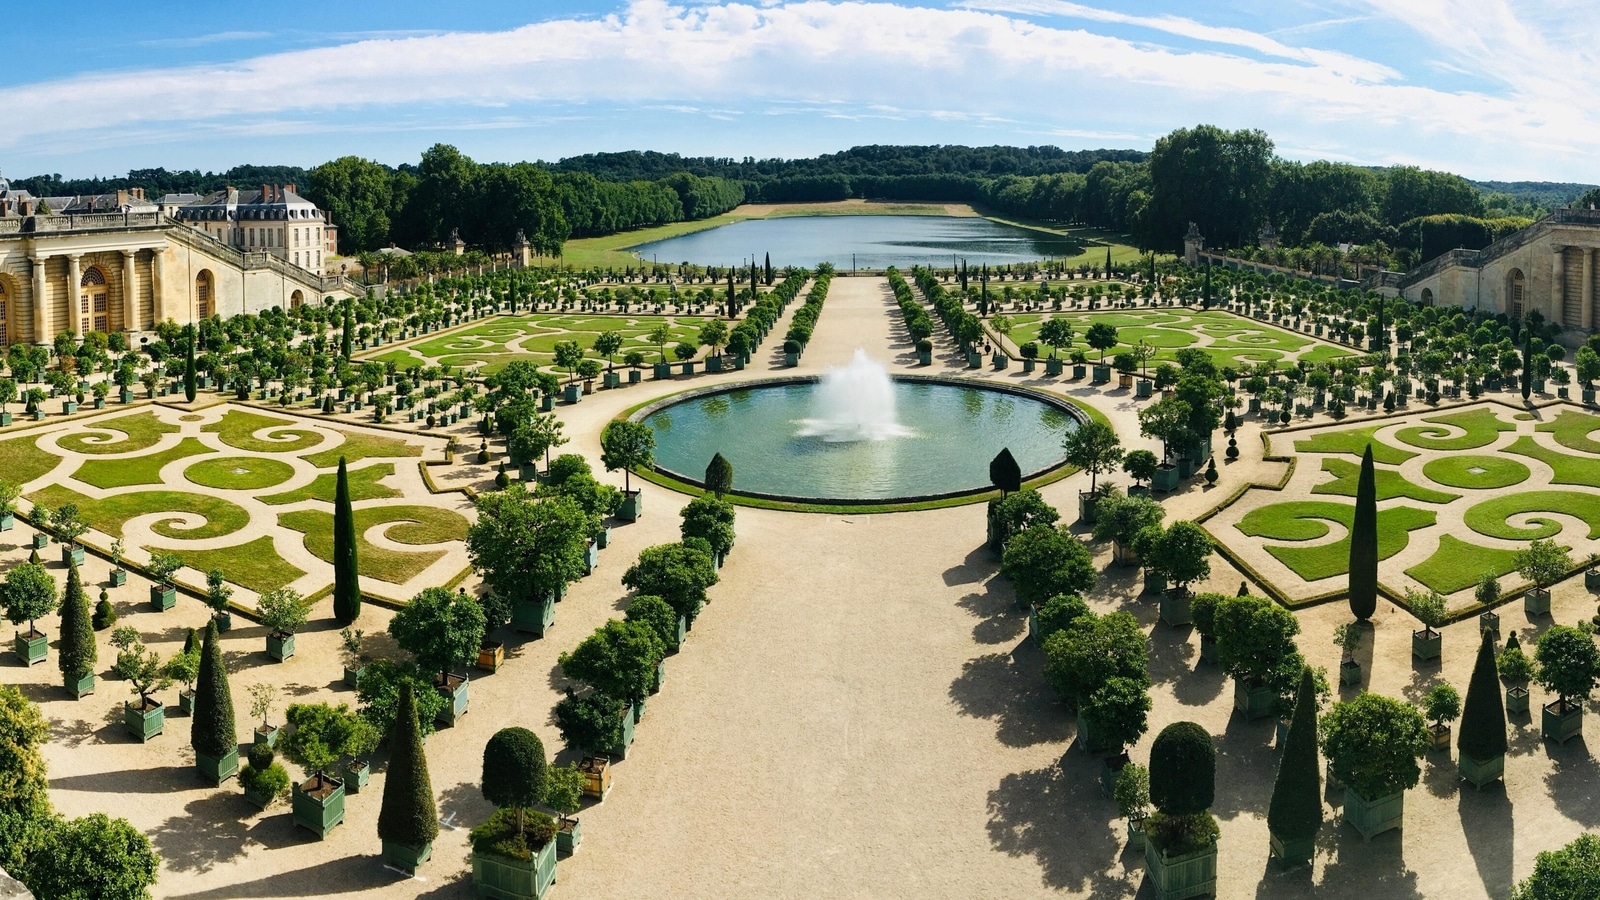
pixel 77 656
pixel 211 731
pixel 1483 717
pixel 189 384
pixel 408 817
pixel 1296 810
pixel 1364 543
pixel 346 581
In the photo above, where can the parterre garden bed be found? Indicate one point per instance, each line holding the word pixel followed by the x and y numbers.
pixel 1230 340
pixel 505 338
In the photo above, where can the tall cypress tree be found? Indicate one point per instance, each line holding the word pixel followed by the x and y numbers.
pixel 768 266
pixel 345 342
pixel 211 731
pixel 408 817
pixel 1527 364
pixel 1364 543
pixel 1483 717
pixel 1296 810
pixel 188 369
pixel 1108 261
pixel 77 656
pixel 346 581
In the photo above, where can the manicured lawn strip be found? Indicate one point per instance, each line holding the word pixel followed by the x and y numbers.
pixel 415 525
pixel 1451 471
pixel 1565 468
pixel 221 473
pixel 1388 482
pixel 1481 427
pixel 21 460
pixel 1489 517
pixel 237 428
pixel 360 445
pixel 255 565
pixel 1457 565
pixel 142 431
pixel 1299 521
pixel 114 473
pixel 1324 353
pixel 109 515
pixel 1572 429
pixel 363 486
pixel 1353 441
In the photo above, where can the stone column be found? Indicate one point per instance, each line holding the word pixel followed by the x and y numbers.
pixel 74 290
pixel 1588 289
pixel 157 286
pixel 1558 293
pixel 130 291
pixel 41 316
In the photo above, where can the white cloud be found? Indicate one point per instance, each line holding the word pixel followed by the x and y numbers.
pixel 996 67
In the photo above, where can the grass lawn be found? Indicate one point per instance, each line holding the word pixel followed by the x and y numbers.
pixel 1387 481
pixel 115 473
pixel 1237 342
pixel 1457 565
pixel 1565 468
pixel 1481 427
pixel 363 486
pixel 1307 520
pixel 360 445
pixel 238 429
pixel 412 525
pixel 1572 430
pixel 1457 472
pixel 21 460
pixel 1353 441
pixel 109 515
pixel 535 336
pixel 255 565
pixel 239 473
pixel 141 431
pixel 1490 518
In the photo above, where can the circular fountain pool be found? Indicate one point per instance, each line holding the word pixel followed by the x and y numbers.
pixel 848 439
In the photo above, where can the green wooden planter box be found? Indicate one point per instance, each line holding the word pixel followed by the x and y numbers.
pixel 974 360
pixel 1489 622
pixel 1292 852
pixel 924 357
pixel 318 816
pixel 602 538
pixel 1102 374
pixel 632 506
pixel 635 376
pixel 1374 817
pixel 661 677
pixel 1560 726
pixel 1087 740
pixel 999 361
pixel 714 364
pixel 629 719
pixel 72 557
pixel 572 393
pixel 1536 602
pixel 683 633
pixel 534 616
pixel 1052 367
pixel 504 878
pixel 1591 579
pixel 81 687
pixel 218 769
pixel 457 707
pixel 1166 479
pixel 1253 702
pixel 569 834
pixel 143 724
pixel 280 646
pixel 32 647
pixel 357 775
pixel 1350 672
pixel 268 735
pixel 1426 645
pixel 41 541
pixel 688 367
pixel 9 520
pixel 119 577
pixel 259 801
pixel 404 858
pixel 1479 773
pixel 1175 608
pixel 1136 834
pixel 1078 372
pixel 591 558
pixel 1208 649
pixel 163 598
pixel 186 703
pixel 1176 877
pixel 352 677
pixel 1516 700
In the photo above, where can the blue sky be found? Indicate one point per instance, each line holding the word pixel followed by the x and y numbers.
pixel 1504 89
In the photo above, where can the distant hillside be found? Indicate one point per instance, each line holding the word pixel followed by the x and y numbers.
pixel 1544 194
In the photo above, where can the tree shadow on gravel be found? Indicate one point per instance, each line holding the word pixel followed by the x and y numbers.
pixel 1574 782
pixel 1439 773
pixel 1010 689
pixel 154 780
pixel 1375 868
pixel 208 833
pixel 346 874
pixel 1058 816
pixel 463 806
pixel 1486 818
pixel 976 566
pixel 1247 765
pixel 996 605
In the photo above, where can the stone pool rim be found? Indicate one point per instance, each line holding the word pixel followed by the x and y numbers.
pixel 886 504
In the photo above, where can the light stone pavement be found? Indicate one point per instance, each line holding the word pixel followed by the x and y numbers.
pixel 856 714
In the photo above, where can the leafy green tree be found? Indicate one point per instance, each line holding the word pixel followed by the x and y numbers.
pixel 626 445
pixel 1004 472
pixel 1102 337
pixel 527 549
pixel 95 858
pixel 346 570
pixel 1571 873
pixel 619 660
pixel 1018 511
pixel 25 812
pixel 1167 421
pixel 1543 563
pixel 1483 718
pixel 568 355
pixel 1043 561
pixel 1568 664
pixel 719 475
pixel 677 573
pixel 1118 711
pixel 408 816
pixel 1183 773
pixel 1183 554
pixel 1364 543
pixel 1059 613
pixel 1295 813
pixel 1056 333
pixel 515 771
pixel 1094 448
pixel 711 519
pixel 211 730
pixel 1254 638
pixel 607 343
pixel 1373 743
pixel 28 593
pixel 378 693
pixel 78 653
pixel 318 736
pixel 1118 517
pixel 1092 649
pixel 440 628
pixel 655 613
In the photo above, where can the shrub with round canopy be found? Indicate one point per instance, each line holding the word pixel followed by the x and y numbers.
pixel 677 573
pixel 1568 664
pixel 1373 743
pixel 1044 561
pixel 1254 637
pixel 28 593
pixel 442 629
pixel 1091 651
pixel 514 769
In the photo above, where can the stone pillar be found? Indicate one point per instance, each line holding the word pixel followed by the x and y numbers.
pixel 41 315
pixel 130 292
pixel 74 290
pixel 1588 289
pixel 1558 293
pixel 157 286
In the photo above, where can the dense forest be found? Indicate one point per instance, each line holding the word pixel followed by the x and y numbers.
pixel 1230 183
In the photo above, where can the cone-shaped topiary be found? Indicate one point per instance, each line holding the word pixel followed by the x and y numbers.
pixel 189 384
pixel 1364 543
pixel 77 656
pixel 1483 718
pixel 1296 810
pixel 211 731
pixel 408 817
pixel 514 770
pixel 346 582
pixel 719 475
pixel 1004 472
pixel 1183 770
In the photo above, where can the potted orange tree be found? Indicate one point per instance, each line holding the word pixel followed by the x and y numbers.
pixel 1568 665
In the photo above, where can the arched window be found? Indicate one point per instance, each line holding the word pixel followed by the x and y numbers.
pixel 296 299
pixel 1427 296
pixel 92 301
pixel 1516 292
pixel 202 294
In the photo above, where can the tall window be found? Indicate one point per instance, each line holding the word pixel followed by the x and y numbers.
pixel 202 295
pixel 5 305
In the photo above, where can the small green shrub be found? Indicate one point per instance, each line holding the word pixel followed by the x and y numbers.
pixel 501 837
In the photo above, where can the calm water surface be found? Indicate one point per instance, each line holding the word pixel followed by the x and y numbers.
pixel 874 242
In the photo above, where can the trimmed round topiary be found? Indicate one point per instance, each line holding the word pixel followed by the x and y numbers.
pixel 1183 770
pixel 514 768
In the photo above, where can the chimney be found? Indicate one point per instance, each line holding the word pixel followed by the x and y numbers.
pixel 266 193
pixel 27 207
pixel 138 193
pixel 122 199
pixel 288 188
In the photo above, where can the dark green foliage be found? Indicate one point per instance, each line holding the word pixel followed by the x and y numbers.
pixel 1569 663
pixel 346 580
pixel 719 475
pixel 211 730
pixel 527 548
pixel 1483 717
pixel 1527 364
pixel 1017 512
pixel 1058 614
pixel 619 660
pixel 105 615
pixel 501 835
pixel 440 628
pixel 1373 743
pixel 408 817
pixel 591 723
pixel 1044 561
pixel 1254 638
pixel 1092 650
pixel 25 812
pixel 382 683
pixel 514 769
pixel 677 573
pixel 28 593
pixel 710 518
pixel 77 656
pixel 94 858
pixel 189 383
pixel 1183 770
pixel 1364 543
pixel 1118 710
pixel 1004 472
pixel 627 445
pixel 1296 809
pixel 1203 609
pixel 268 780
pixel 1571 873
pixel 655 613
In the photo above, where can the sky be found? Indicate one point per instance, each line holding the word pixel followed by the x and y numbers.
pixel 1492 89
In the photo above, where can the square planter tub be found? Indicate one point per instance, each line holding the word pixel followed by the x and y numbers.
pixel 144 724
pixel 1374 817
pixel 504 878
pixel 1561 724
pixel 217 769
pixel 319 815
pixel 32 647
pixel 1177 877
